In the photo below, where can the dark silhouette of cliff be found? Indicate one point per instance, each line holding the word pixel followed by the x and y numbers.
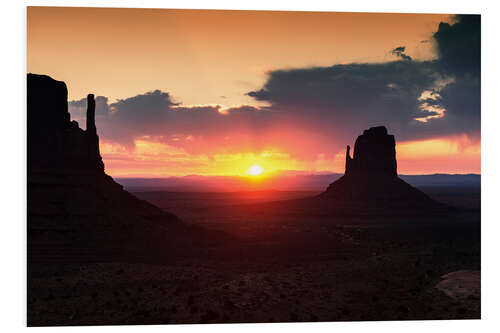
pixel 75 211
pixel 374 154
pixel 371 178
pixel 55 143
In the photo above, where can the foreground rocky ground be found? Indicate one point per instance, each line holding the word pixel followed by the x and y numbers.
pixel 277 270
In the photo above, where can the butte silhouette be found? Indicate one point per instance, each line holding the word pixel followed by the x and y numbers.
pixel 371 179
pixel 76 212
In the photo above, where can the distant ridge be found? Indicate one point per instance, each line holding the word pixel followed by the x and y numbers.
pixel 445 180
pixel 280 182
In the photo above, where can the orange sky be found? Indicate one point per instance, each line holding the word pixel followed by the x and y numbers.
pixel 215 58
pixel 198 54
pixel 445 155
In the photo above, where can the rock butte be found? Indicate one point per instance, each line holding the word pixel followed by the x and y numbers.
pixel 75 211
pixel 374 154
pixel 371 177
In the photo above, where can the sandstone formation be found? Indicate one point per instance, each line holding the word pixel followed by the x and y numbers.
pixel 371 179
pixel 374 154
pixel 54 141
pixel 75 211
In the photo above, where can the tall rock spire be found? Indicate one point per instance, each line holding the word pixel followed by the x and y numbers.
pixel 348 160
pixel 93 152
pixel 91 114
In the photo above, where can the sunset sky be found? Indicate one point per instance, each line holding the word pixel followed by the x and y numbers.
pixel 183 92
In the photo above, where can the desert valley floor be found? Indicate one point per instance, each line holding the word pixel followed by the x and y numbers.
pixel 277 266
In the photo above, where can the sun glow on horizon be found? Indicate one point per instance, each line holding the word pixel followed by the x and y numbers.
pixel 255 170
pixel 151 157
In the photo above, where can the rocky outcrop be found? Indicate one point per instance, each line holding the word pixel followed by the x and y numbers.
pixel 374 154
pixel 371 179
pixel 55 143
pixel 75 211
pixel 93 154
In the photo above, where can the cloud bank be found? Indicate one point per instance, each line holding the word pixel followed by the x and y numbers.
pixel 316 111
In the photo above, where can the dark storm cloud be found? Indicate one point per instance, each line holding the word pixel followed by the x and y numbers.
pixel 400 52
pixel 156 112
pixel 158 117
pixel 459 48
pixel 348 98
pixel 459 45
pixel 260 95
pixel 320 109
pixel 462 99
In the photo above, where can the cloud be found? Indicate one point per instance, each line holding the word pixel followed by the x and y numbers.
pixel 459 45
pixel 79 107
pixel 348 98
pixel 342 100
pixel 399 52
pixel 201 129
pixel 459 48
pixel 317 110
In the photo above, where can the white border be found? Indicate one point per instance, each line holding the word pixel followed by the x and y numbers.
pixel 13 132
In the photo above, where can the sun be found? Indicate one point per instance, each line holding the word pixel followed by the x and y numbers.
pixel 255 170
